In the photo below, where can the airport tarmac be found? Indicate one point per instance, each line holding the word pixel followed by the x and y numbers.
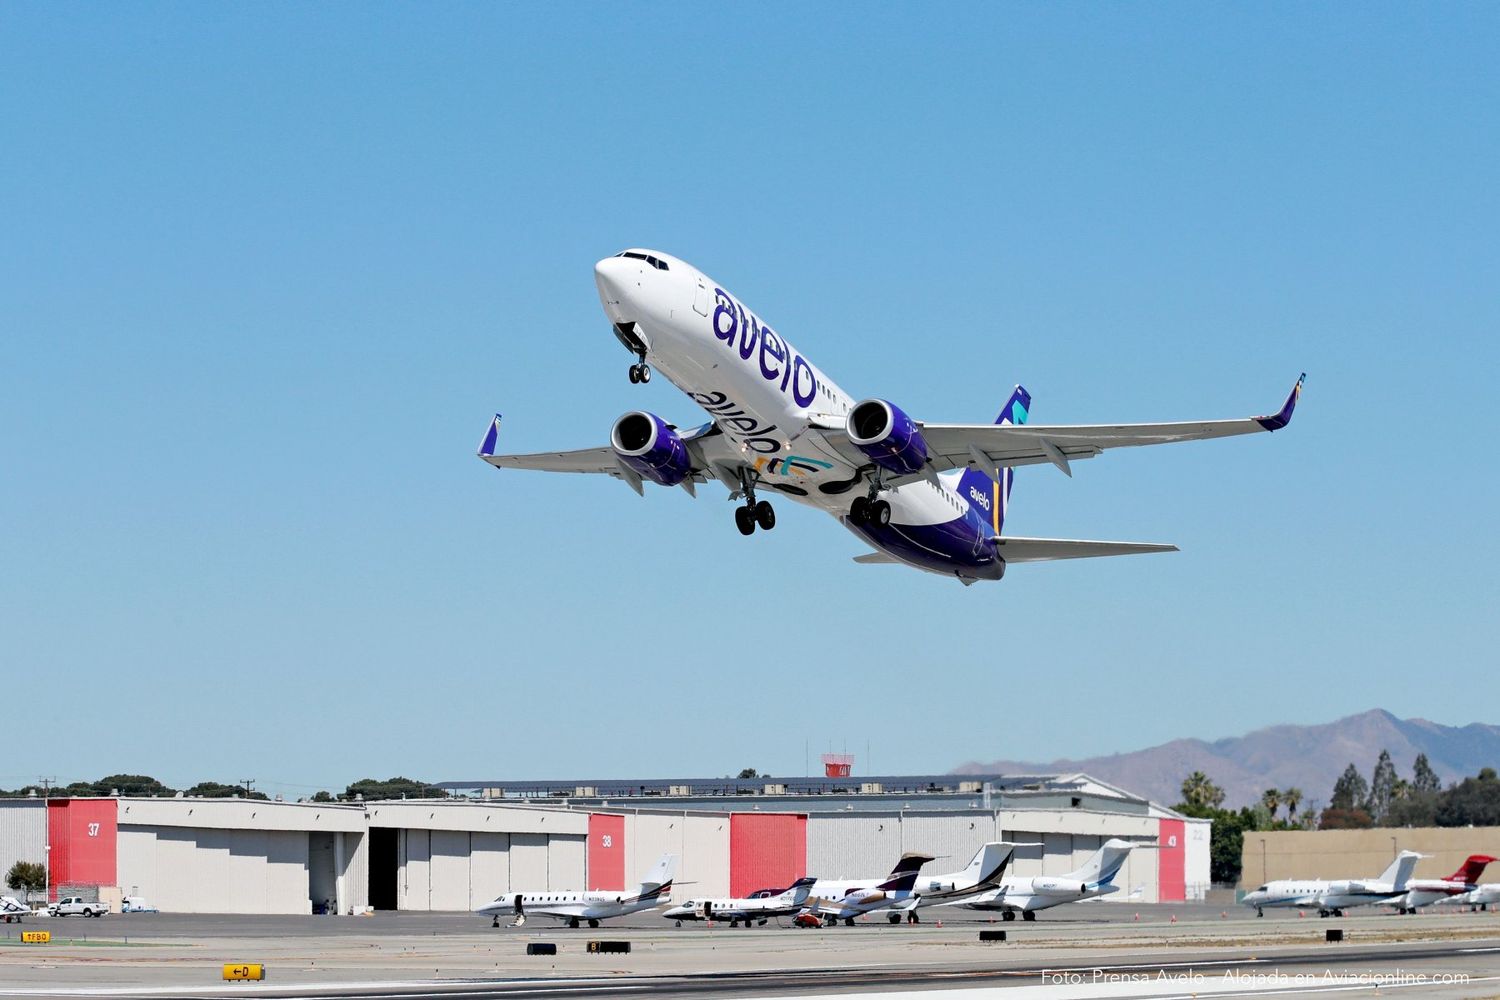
pixel 1172 949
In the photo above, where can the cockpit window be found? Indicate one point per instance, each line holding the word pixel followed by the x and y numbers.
pixel 1261 889
pixel 655 262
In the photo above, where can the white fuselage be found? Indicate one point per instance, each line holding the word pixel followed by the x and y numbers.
pixel 1027 895
pixel 570 905
pixel 1324 895
pixel 773 404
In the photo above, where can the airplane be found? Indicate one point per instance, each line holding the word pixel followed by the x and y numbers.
pixel 1426 891
pixel 927 495
pixel 834 901
pixel 576 907
pixel 1027 895
pixel 829 892
pixel 12 909
pixel 1333 898
pixel 756 909
pixel 1481 897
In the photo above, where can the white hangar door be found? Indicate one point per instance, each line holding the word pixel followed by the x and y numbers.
pixel 449 870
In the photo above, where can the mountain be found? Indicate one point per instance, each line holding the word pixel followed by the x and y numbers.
pixel 1307 757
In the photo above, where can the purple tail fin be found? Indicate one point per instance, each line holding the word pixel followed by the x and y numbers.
pixel 980 487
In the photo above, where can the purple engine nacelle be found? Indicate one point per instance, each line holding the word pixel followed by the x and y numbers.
pixel 646 444
pixel 891 439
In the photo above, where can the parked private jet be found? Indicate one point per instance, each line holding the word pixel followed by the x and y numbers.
pixel 1481 897
pixel 1333 898
pixel 756 909
pixel 981 874
pixel 1426 891
pixel 576 907
pixel 924 494
pixel 12 909
pixel 828 892
pixel 1027 895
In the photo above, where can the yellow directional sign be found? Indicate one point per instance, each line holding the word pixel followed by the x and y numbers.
pixel 245 970
pixel 36 937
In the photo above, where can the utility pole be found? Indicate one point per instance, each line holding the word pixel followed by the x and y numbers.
pixel 248 783
pixel 46 784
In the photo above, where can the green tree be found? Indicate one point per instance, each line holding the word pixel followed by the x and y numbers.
pixel 1198 790
pixel 393 788
pixel 322 797
pixel 1350 791
pixel 749 772
pixel 215 790
pixel 1293 798
pixel 1472 802
pixel 1423 778
pixel 26 877
pixel 1271 799
pixel 1382 787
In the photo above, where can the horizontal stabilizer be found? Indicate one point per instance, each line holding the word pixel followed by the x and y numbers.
pixel 1024 550
pixel 871 558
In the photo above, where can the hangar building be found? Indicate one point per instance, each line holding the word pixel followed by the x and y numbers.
pixel 733 837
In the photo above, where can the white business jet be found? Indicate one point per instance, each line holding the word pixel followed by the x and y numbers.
pixel 923 494
pixel 12 909
pixel 752 910
pixel 1333 898
pixel 577 907
pixel 1027 895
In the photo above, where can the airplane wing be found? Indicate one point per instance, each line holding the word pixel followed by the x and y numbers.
pixel 990 446
pixel 712 458
pixel 1025 550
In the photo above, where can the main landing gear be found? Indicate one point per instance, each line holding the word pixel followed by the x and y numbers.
pixel 753 512
pixel 640 373
pixel 870 509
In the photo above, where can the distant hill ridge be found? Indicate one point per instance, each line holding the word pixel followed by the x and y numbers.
pixel 1306 757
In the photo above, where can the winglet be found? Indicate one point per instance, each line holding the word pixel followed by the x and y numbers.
pixel 488 447
pixel 1280 420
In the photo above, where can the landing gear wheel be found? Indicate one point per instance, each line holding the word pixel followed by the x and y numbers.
pixel 765 515
pixel 859 510
pixel 848 921
pixel 593 923
pixel 912 918
pixel 1008 916
pixel 744 519
pixel 635 374
pixel 573 922
pixel 1028 915
pixel 496 923
pixel 894 918
pixel 880 513
pixel 645 373
pixel 679 923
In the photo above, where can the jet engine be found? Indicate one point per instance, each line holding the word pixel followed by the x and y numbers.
pixel 886 434
pixel 650 447
pixel 934 885
pixel 1058 886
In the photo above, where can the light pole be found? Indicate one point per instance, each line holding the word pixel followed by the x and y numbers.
pixel 1263 878
pixel 46 874
pixel 1394 852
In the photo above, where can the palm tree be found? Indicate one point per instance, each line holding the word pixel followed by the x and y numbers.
pixel 1293 798
pixel 1271 799
pixel 1198 790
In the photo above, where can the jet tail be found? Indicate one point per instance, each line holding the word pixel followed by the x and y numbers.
pixel 657 883
pixel 978 481
pixel 1398 873
pixel 1105 863
pixel 1470 871
pixel 904 875
pixel 989 864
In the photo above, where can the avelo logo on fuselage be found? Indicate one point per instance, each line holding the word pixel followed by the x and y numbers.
pixel 777 363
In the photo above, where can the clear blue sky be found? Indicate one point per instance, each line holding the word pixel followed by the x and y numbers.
pixel 266 272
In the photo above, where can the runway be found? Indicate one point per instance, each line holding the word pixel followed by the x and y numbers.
pixel 1102 950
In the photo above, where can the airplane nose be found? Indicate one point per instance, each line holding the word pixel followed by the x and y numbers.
pixel 613 275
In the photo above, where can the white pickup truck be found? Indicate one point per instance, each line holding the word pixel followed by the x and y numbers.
pixel 77 906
